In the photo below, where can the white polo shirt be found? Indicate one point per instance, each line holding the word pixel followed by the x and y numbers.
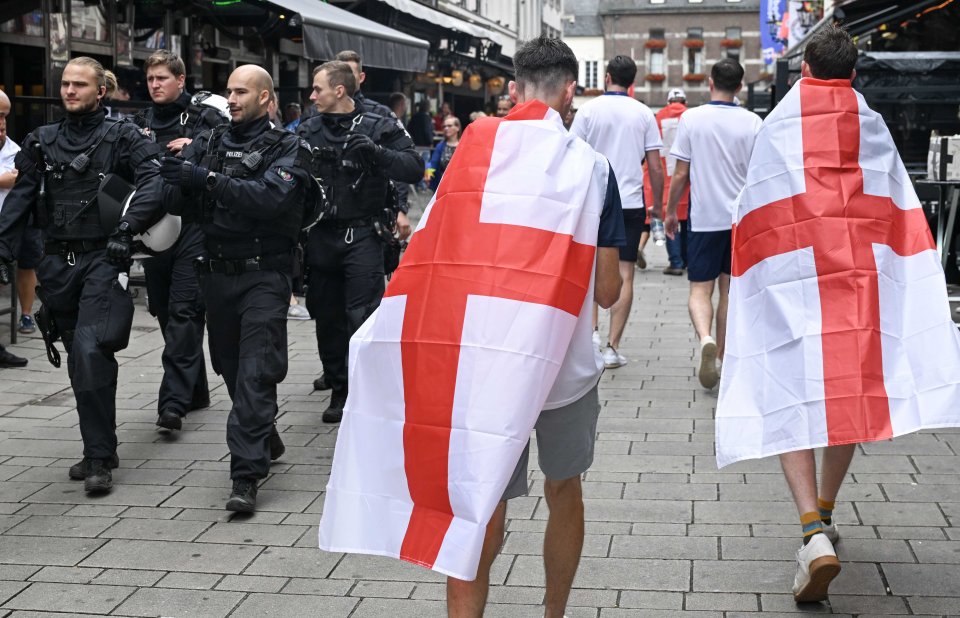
pixel 623 130
pixel 717 140
pixel 7 154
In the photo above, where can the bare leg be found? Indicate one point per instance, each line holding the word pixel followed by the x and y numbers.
pixel 722 313
pixel 596 315
pixel 468 599
pixel 26 289
pixel 800 470
pixel 621 309
pixel 833 468
pixel 644 237
pixel 563 541
pixel 701 307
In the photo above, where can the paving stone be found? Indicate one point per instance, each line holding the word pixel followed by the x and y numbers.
pixel 775 576
pixel 124 495
pixel 943 606
pixel 65 575
pixel 532 543
pixel 17 572
pixel 10 589
pixel 186 603
pixel 129 577
pixel 322 587
pixel 172 556
pixel 296 562
pixel 256 534
pixel 900 513
pixel 384 590
pixel 285 605
pixel 88 599
pixel 720 602
pixel 45 551
pixel 923 579
pixel 155 530
pixel 190 581
pixel 63 526
pixel 664 547
pixel 252 583
pixel 610 572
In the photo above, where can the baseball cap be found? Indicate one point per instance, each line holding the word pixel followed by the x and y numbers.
pixel 676 93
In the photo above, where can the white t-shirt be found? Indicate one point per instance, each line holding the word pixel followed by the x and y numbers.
pixel 716 139
pixel 623 130
pixel 7 154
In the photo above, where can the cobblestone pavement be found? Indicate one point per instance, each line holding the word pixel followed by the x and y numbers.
pixel 666 532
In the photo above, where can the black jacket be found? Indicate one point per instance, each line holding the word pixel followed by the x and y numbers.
pixel 129 154
pixel 180 118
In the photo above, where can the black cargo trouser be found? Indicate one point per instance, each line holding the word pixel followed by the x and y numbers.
pixel 247 327
pixel 345 287
pixel 93 313
pixel 176 302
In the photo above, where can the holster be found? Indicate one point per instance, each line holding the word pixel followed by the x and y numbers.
pixel 48 330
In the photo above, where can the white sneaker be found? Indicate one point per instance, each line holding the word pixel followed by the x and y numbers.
pixel 708 374
pixel 298 312
pixel 817 565
pixel 613 359
pixel 596 340
pixel 831 531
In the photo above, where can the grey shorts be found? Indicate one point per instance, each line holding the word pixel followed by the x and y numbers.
pixel 565 439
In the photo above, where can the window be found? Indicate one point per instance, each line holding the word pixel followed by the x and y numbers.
pixel 695 60
pixel 732 53
pixel 733 32
pixel 88 22
pixel 656 1
pixel 591 77
pixel 694 33
pixel 658 33
pixel 656 66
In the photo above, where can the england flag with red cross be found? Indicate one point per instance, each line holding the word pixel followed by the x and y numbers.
pixel 839 329
pixel 449 375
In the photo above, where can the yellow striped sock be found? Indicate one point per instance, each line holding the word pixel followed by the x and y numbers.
pixel 811 525
pixel 826 510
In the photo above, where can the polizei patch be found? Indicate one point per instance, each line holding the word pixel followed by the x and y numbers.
pixel 284 174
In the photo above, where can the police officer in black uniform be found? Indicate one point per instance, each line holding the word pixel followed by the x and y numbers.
pixel 87 249
pixel 172 287
pixel 356 154
pixel 248 186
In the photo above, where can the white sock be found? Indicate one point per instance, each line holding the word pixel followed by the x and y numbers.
pixel 705 340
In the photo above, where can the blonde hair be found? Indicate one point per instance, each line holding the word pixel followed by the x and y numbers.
pixel 98 70
pixel 110 81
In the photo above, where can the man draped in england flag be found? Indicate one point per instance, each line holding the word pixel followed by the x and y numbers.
pixel 485 323
pixel 839 329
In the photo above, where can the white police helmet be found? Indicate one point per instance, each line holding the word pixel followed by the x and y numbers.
pixel 215 101
pixel 160 236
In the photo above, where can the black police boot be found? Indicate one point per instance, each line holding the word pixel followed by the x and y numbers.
pixel 98 479
pixel 321 384
pixel 8 360
pixel 243 497
pixel 277 449
pixel 169 419
pixel 78 471
pixel 334 413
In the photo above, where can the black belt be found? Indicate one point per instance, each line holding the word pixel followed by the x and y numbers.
pixel 281 262
pixel 64 247
pixel 343 224
pixel 236 249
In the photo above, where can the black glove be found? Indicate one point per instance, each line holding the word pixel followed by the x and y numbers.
pixel 6 268
pixel 120 244
pixel 181 173
pixel 362 149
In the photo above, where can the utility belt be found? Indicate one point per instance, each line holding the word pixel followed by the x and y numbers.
pixel 343 224
pixel 282 262
pixel 242 249
pixel 69 248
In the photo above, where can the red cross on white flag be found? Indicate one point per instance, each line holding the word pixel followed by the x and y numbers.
pixel 839 328
pixel 449 375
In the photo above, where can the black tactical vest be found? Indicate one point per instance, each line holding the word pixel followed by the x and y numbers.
pixel 188 124
pixel 71 179
pixel 356 196
pixel 251 161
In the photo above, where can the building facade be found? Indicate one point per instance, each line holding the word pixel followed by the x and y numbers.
pixel 674 42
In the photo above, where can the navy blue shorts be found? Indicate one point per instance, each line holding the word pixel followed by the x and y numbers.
pixel 634 225
pixel 708 255
pixel 31 248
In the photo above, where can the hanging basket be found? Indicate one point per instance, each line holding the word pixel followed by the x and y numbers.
pixel 694 77
pixel 731 43
pixel 655 44
pixel 655 78
pixel 693 43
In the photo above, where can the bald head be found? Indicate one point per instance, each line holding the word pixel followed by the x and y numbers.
pixel 249 89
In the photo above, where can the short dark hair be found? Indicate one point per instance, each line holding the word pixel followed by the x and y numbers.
pixel 348 55
pixel 166 58
pixel 338 73
pixel 831 54
pixel 727 75
pixel 394 99
pixel 545 63
pixel 622 71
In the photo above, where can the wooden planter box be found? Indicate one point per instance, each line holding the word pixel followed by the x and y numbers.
pixel 693 43
pixel 655 78
pixel 731 43
pixel 694 77
pixel 655 44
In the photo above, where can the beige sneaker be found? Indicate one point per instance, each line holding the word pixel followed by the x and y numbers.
pixel 817 565
pixel 708 374
pixel 830 531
